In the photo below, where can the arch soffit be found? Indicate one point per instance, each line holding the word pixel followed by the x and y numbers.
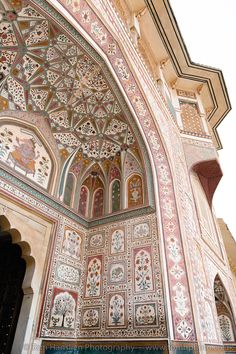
pixel 113 82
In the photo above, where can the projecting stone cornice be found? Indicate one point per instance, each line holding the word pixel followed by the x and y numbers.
pixel 169 32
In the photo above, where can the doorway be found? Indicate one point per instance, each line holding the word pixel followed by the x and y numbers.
pixel 12 272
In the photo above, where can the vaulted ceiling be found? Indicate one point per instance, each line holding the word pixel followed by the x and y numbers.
pixel 43 70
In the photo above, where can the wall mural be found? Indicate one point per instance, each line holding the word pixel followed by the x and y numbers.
pixel 21 150
pixel 103 293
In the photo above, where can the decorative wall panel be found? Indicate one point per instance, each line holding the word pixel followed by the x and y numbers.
pixel 128 299
pixel 22 150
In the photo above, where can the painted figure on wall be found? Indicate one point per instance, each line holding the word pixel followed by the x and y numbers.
pixel 22 151
pixel 135 191
pixel 24 155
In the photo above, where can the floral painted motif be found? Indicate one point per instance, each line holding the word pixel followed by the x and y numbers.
pixel 143 269
pixel 93 282
pixel 71 245
pixel 68 274
pixel 63 309
pixel 118 241
pixel 141 231
pixel 91 318
pixel 184 329
pixel 116 315
pixel 145 315
pixel 96 240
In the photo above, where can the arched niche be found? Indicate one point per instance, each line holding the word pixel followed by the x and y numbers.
pixel 98 203
pixel 115 195
pixel 17 265
pixel 24 150
pixel 69 189
pixel 134 191
pixel 113 173
pixel 224 312
pixel 84 200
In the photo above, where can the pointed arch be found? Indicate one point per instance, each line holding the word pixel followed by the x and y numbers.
pixel 98 202
pixel 84 200
pixel 69 189
pixel 224 311
pixel 115 195
pixel 18 289
pixel 134 188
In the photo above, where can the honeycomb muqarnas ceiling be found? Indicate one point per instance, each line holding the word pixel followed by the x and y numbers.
pixel 43 70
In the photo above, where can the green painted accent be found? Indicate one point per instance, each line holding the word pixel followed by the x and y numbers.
pixel 58 207
pixel 107 349
pixel 116 196
pixel 184 351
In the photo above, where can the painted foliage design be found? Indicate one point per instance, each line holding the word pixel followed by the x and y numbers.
pixel 118 241
pixel 22 150
pixel 145 315
pixel 116 316
pixel 94 277
pixel 91 318
pixel 63 309
pixel 141 231
pixel 96 240
pixel 72 243
pixel 143 269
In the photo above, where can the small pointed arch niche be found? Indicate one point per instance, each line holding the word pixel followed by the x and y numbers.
pixel 224 312
pixel 104 186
